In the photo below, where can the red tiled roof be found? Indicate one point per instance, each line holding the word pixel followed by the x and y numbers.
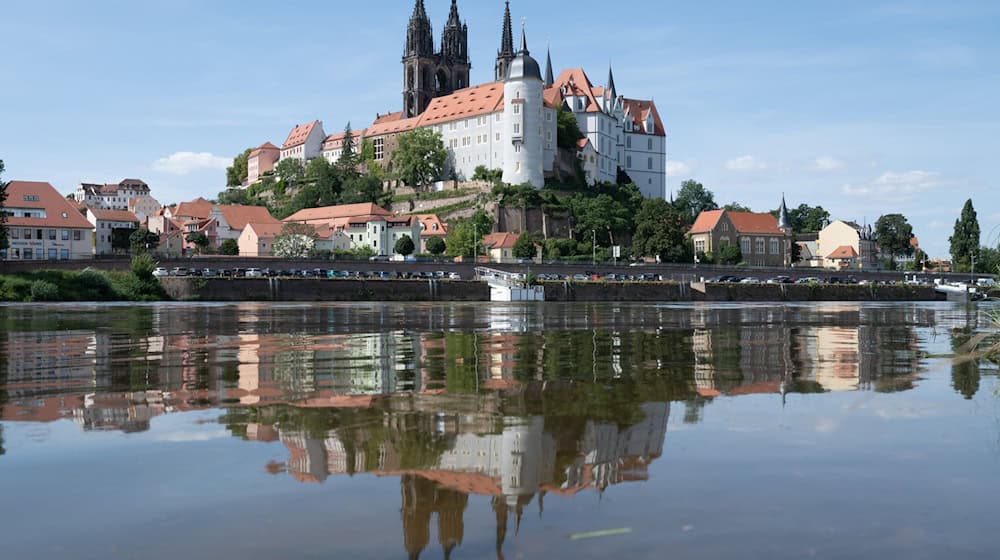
pixel 393 126
pixel 577 84
pixel 59 212
pixel 239 216
pixel 752 222
pixel 334 212
pixel 197 208
pixel 706 221
pixel 464 103
pixel 299 135
pixel 266 146
pixel 114 215
pixel 388 117
pixel 335 141
pixel 428 221
pixel 266 231
pixel 639 110
pixel 843 253
pixel 501 240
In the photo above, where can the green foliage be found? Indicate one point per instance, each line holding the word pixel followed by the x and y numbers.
pixel 466 235
pixel 121 239
pixel 42 290
pixel 420 158
pixel 894 234
pixel 524 247
pixel 560 249
pixel 693 199
pixel 567 129
pixel 4 242
pixel 436 246
pixel 296 241
pixel 291 171
pixel 405 246
pixel 520 196
pixel 661 231
pixel 365 188
pixel 965 240
pixel 989 259
pixel 729 254
pixel 483 173
pixel 806 219
pixel 736 207
pixel 143 266
pixel 142 241
pixel 601 216
pixel 229 247
pixel 237 173
pixel 348 160
pixel 199 240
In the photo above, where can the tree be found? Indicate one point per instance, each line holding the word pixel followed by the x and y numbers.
pixel 729 254
pixel 567 129
pixel 420 158
pixel 121 239
pixel 919 261
pixel 348 160
pixel 404 246
pixel 661 232
pixel 465 236
pixel 199 240
pixel 296 241
pixel 485 174
pixel 4 243
pixel 290 170
pixel 237 173
pixel 229 247
pixel 736 207
pixel 524 247
pixel 142 241
pixel 989 260
pixel 143 266
pixel 693 199
pixel 894 234
pixel 436 246
pixel 965 240
pixel 602 217
pixel 808 219
pixel 365 188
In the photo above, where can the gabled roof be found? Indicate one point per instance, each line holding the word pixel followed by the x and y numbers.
pixel 706 221
pixel 428 221
pixel 464 103
pixel 577 84
pixel 752 222
pixel 114 215
pixel 843 253
pixel 501 240
pixel 266 146
pixel 268 230
pixel 393 126
pixel 388 117
pixel 197 208
pixel 335 141
pixel 299 135
pixel 35 195
pixel 239 216
pixel 640 110
pixel 335 212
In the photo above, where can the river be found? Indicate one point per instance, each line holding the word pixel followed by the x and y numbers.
pixel 262 431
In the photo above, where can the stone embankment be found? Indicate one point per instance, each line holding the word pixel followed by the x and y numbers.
pixel 297 290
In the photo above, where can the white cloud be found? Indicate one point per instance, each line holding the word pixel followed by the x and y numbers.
pixel 185 163
pixel 746 163
pixel 678 169
pixel 828 163
pixel 898 186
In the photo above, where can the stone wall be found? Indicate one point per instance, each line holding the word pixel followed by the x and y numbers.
pixel 304 289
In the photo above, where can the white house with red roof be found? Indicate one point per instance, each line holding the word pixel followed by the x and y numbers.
pixel 365 225
pixel 304 142
pixel 107 225
pixel 43 225
pixel 333 146
pixel 111 196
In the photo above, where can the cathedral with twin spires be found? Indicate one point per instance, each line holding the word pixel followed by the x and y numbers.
pixel 508 124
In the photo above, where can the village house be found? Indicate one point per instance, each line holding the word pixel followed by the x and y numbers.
pixel 365 225
pixel 112 229
pixel 217 222
pixel 261 161
pixel 430 226
pixel 42 224
pixel 257 240
pixel 500 246
pixel 304 142
pixel 760 239
pixel 844 245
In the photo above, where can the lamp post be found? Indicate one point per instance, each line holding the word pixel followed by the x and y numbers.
pixel 475 243
pixel 594 244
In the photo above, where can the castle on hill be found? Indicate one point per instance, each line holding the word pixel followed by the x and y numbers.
pixel 508 124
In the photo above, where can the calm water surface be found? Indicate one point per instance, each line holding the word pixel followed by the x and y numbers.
pixel 496 431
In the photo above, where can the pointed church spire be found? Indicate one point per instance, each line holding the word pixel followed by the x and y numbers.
pixel 453 19
pixel 524 40
pixel 784 221
pixel 549 78
pixel 507 38
pixel 418 10
pixel 611 84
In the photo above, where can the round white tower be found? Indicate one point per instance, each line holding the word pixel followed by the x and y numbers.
pixel 524 142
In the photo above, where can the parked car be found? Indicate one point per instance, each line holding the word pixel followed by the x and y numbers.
pixel 254 273
pixel 379 258
pixel 209 272
pixel 179 271
pixel 809 280
pixel 161 272
pixel 454 276
pixel 581 278
pixel 779 280
pixel 750 281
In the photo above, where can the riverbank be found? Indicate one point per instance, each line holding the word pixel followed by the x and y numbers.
pixel 79 286
pixel 299 290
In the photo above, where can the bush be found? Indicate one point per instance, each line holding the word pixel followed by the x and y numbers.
pixel 44 291
pixel 143 266
pixel 405 246
pixel 436 246
pixel 229 247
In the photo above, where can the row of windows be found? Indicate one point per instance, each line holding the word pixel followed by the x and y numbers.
pixel 649 143
pixel 41 234
pixel 628 163
pixel 30 254
pixel 760 246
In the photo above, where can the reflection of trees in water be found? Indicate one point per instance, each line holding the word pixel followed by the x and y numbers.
pixel 965 370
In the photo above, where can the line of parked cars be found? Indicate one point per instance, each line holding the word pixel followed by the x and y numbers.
pixel 594 277
pixel 181 272
pixel 784 280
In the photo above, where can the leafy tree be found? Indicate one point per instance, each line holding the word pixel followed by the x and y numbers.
pixel 4 242
pixel 894 234
pixel 324 186
pixel 236 196
pixel 602 217
pixel 404 246
pixel 989 260
pixel 142 240
pixel 729 254
pixel 436 246
pixel 483 173
pixel 524 247
pixel 237 173
pixel 567 129
pixel 290 170
pixel 965 240
pixel 661 231
pixel 736 207
pixel 372 167
pixel 296 241
pixel 693 199
pixel 420 158
pixel 366 188
pixel 348 160
pixel 199 240
pixel 919 262
pixel 466 235
pixel 229 247
pixel 143 266
pixel 808 219
pixel 121 239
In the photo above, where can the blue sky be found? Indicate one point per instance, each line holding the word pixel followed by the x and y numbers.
pixel 863 107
